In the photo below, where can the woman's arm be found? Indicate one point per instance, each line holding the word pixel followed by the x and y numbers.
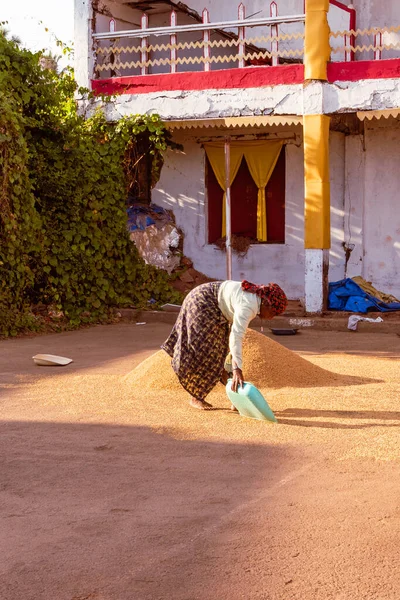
pixel 242 317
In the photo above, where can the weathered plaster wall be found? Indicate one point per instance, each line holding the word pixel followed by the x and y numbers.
pixel 337 177
pixel 354 204
pixel 202 104
pixel 181 188
pixel 368 94
pixel 372 221
pixel 377 94
pixel 375 13
pixel 382 196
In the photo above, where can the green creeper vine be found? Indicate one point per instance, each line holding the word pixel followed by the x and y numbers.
pixel 63 187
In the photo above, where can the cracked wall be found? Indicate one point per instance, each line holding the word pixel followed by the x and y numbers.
pixel 204 104
pixel 328 98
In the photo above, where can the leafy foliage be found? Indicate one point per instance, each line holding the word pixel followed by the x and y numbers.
pixel 63 187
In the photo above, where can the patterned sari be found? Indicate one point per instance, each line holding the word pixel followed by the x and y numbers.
pixel 199 341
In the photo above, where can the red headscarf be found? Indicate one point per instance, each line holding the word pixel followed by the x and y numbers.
pixel 272 295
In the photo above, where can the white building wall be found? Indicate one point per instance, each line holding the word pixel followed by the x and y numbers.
pixel 354 204
pixel 370 13
pixel 375 13
pixel 365 192
pixel 372 221
pixel 182 189
pixel 337 177
pixel 382 200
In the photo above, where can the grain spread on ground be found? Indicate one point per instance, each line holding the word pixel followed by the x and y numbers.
pixel 266 363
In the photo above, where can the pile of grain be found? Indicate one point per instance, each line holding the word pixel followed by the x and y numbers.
pixel 154 373
pixel 266 364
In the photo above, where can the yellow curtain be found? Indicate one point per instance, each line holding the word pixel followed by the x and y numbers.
pixel 261 158
pixel 216 155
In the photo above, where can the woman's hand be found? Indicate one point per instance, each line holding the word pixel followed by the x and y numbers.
pixel 237 380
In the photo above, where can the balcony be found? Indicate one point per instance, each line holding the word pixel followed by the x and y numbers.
pixel 189 43
pixel 201 46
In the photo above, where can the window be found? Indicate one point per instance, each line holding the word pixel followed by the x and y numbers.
pixel 244 200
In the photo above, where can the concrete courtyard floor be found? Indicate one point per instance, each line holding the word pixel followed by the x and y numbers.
pixel 109 494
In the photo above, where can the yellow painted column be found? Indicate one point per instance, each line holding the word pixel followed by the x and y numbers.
pixel 316 156
pixel 316 42
pixel 317 186
pixel 316 130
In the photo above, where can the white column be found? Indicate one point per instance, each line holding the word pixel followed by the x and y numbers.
pixel 83 44
pixel 316 280
pixel 316 261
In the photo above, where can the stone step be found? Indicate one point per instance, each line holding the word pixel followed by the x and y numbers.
pixel 330 321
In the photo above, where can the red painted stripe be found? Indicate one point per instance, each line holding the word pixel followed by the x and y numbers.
pixel 249 77
pixel 364 69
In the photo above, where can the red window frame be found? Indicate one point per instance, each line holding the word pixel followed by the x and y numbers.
pixel 244 203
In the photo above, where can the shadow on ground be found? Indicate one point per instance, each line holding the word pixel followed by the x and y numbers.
pixel 116 513
pixel 296 416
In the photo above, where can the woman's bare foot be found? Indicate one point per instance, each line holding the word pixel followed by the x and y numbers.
pixel 233 408
pixel 200 404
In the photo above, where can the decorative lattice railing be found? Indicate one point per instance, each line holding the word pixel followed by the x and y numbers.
pixel 205 46
pixel 269 40
pixel 376 43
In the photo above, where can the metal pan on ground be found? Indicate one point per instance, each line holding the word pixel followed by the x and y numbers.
pixel 284 331
pixel 250 402
pixel 51 360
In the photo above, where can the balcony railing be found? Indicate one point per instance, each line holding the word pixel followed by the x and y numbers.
pixel 376 43
pixel 255 41
pixel 204 46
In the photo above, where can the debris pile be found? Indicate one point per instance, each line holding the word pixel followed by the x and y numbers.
pixel 160 243
pixel 154 233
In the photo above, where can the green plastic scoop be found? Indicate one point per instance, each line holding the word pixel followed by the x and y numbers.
pixel 250 402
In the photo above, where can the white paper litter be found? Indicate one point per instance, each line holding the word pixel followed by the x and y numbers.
pixel 355 319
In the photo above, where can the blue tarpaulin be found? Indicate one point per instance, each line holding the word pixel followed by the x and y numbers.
pixel 347 295
pixel 141 216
